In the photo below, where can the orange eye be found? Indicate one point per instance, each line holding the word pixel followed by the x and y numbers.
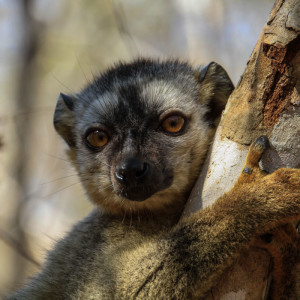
pixel 97 138
pixel 173 124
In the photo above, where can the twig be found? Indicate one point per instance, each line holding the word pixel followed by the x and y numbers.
pixel 11 242
pixel 122 26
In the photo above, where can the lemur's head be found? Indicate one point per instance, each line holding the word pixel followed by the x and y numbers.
pixel 139 133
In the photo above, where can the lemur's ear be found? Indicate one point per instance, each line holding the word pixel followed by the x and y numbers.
pixel 215 88
pixel 64 118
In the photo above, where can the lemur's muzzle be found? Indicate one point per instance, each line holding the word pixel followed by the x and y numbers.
pixel 138 180
pixel 132 172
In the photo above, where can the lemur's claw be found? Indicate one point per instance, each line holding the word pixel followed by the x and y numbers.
pixel 261 144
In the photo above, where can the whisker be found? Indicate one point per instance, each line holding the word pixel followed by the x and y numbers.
pixel 60 178
pixel 107 187
pixel 81 68
pixel 60 190
pixel 61 83
pixel 57 157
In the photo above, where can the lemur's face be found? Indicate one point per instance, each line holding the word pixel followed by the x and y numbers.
pixel 138 135
pixel 140 144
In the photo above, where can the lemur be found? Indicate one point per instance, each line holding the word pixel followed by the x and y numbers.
pixel 137 136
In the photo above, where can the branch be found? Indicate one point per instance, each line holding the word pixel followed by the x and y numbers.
pixel 265 102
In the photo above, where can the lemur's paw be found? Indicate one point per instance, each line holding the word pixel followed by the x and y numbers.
pixel 255 152
pixel 251 168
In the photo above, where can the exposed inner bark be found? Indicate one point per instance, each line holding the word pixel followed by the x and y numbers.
pixel 280 85
pixel 268 84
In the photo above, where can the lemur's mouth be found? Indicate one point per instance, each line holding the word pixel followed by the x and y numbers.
pixel 142 192
pixel 137 193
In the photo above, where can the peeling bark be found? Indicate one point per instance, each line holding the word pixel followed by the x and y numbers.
pixel 265 101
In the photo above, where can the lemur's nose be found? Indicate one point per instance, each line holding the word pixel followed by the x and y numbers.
pixel 132 171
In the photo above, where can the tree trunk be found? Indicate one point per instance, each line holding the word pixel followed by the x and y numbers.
pixel 265 101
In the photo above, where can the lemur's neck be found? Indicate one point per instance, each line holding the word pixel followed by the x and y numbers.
pixel 165 218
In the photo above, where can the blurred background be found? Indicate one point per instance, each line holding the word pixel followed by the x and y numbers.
pixel 53 46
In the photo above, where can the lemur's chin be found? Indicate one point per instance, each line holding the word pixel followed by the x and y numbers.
pixel 138 194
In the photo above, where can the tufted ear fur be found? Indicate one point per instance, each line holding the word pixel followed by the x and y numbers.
pixel 215 88
pixel 64 118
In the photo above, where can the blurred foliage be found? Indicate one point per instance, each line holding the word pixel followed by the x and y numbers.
pixel 48 46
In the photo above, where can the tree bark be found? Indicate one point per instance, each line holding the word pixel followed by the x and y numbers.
pixel 265 101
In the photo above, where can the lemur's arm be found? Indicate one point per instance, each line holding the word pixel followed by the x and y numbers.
pixel 187 262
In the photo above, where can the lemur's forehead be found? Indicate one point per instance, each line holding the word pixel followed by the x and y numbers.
pixel 166 95
pixel 139 102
